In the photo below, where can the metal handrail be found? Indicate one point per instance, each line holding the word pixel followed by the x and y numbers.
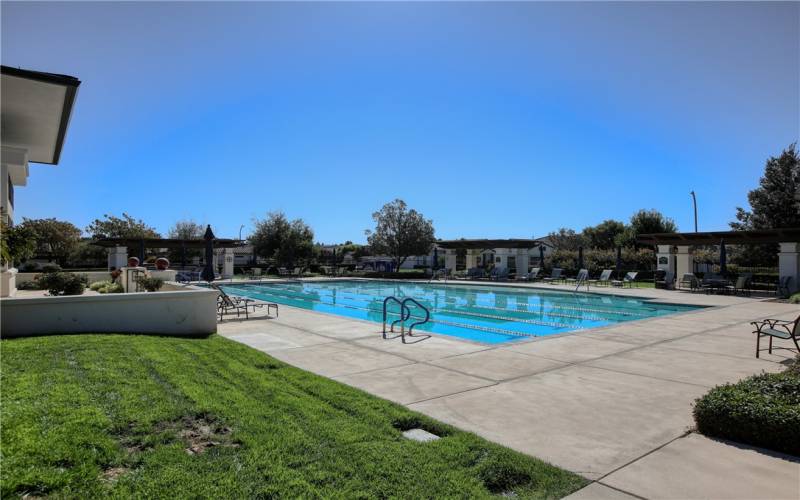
pixel 402 319
pixel 415 302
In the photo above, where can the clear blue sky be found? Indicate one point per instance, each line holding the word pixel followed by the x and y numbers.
pixel 494 120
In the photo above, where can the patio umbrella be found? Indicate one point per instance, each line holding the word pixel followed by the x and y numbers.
pixel 619 260
pixel 435 263
pixel 723 258
pixel 141 252
pixel 208 270
pixel 580 257
pixel 541 256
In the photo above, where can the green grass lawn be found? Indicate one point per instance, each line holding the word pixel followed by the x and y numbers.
pixel 145 416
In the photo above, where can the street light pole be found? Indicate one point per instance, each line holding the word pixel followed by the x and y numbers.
pixel 240 232
pixel 694 200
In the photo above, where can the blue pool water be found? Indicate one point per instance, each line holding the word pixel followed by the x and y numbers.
pixel 485 313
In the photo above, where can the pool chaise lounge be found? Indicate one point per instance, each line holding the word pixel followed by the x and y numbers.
pixel 604 279
pixel 629 280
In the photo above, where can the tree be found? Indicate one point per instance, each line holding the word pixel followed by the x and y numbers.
pixel 565 239
pixel 17 244
pixel 603 235
pixel 187 230
pixel 400 233
pixel 645 222
pixel 277 238
pixel 121 227
pixel 55 238
pixel 776 202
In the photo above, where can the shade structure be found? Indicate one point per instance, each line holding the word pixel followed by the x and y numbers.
pixel 541 256
pixel 619 260
pixel 435 263
pixel 580 257
pixel 208 270
pixel 723 258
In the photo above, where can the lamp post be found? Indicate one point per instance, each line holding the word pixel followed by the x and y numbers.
pixel 240 232
pixel 694 200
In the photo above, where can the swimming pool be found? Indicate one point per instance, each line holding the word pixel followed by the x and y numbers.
pixel 485 313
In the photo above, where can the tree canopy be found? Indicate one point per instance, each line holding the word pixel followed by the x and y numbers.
pixel 775 203
pixel 400 233
pixel 565 239
pixel 121 227
pixel 187 230
pixel 277 238
pixel 604 235
pixel 54 238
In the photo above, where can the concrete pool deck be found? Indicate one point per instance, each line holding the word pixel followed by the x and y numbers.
pixel 612 404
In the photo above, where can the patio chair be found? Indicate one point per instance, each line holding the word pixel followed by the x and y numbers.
pixel 604 279
pixel 555 275
pixel 475 273
pixel 629 279
pixel 282 271
pixel 742 286
pixel 298 271
pixel 668 282
pixel 781 329
pixel 531 276
pixel 690 281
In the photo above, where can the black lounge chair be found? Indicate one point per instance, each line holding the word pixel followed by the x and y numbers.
pixel 781 329
pixel 555 275
pixel 582 276
pixel 604 279
pixel 531 276
pixel 499 274
pixel 668 282
pixel 629 280
pixel 228 304
pixel 690 281
pixel 742 286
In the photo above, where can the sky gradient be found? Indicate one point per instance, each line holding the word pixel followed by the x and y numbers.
pixel 494 120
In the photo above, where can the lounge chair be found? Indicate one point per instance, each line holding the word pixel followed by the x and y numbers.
pixel 604 279
pixel 781 329
pixel 629 279
pixel 227 303
pixel 582 276
pixel 500 274
pixel 668 282
pixel 690 281
pixel 531 276
pixel 282 271
pixel 475 273
pixel 555 275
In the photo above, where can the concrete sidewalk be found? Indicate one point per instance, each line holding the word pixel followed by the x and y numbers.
pixel 612 404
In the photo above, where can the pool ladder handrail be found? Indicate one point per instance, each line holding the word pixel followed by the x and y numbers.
pixel 405 314
pixel 439 272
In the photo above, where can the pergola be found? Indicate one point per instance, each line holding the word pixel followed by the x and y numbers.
pixel 118 247
pixel 519 249
pixel 681 260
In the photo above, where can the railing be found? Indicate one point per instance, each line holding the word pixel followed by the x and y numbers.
pixel 405 314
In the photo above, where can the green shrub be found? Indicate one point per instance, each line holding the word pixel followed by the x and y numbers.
pixel 762 410
pixel 795 299
pixel 106 287
pixel 151 284
pixel 61 283
pixel 51 268
pixel 29 285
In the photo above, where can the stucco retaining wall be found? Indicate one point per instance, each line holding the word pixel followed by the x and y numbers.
pixel 191 311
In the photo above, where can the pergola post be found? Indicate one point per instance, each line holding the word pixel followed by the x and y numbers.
pixel 450 259
pixel 473 256
pixel 789 264
pixel 684 260
pixel 523 260
pixel 117 257
pixel 227 263
pixel 665 259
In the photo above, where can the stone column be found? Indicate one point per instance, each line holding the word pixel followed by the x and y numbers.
pixel 450 259
pixel 227 263
pixel 684 261
pixel 789 264
pixel 523 261
pixel 117 257
pixel 472 258
pixel 501 258
pixel 665 259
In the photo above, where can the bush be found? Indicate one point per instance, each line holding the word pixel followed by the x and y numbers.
pixel 151 284
pixel 106 287
pixel 762 410
pixel 51 268
pixel 795 299
pixel 61 283
pixel 29 285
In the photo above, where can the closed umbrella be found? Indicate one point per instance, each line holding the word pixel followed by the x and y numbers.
pixel 208 270
pixel 541 256
pixel 723 258
pixel 580 257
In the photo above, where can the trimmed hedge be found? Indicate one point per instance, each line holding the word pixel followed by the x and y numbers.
pixel 762 410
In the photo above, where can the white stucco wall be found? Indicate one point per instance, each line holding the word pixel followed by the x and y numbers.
pixel 93 276
pixel 192 311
